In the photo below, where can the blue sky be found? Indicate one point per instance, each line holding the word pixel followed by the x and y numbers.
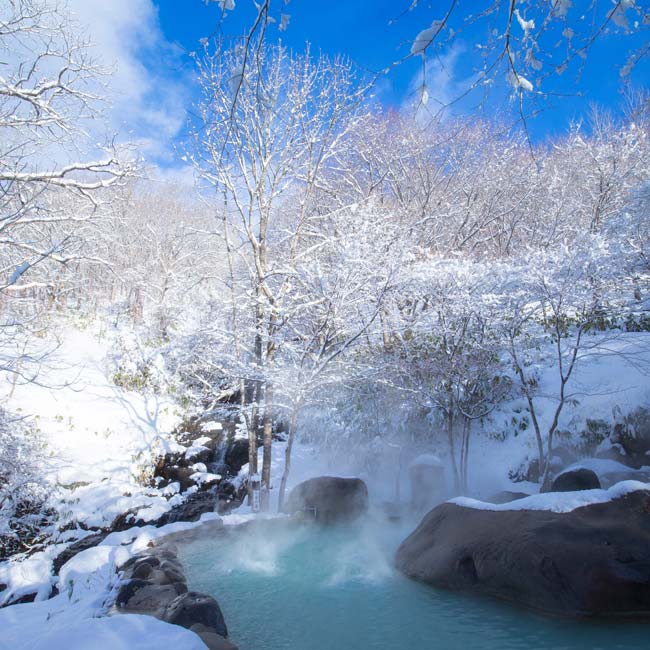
pixel 376 33
pixel 149 42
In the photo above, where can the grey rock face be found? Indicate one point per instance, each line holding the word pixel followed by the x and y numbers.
pixel 146 598
pixel 329 499
pixel 593 561
pixel 193 607
pixel 213 640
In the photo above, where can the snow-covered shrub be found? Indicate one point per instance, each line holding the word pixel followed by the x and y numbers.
pixel 136 366
pixel 23 485
pixel 202 370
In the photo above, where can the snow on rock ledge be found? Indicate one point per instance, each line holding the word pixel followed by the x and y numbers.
pixel 557 501
pixel 574 554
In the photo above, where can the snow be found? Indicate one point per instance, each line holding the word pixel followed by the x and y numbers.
pixel 28 576
pixel 79 617
pixel 96 430
pixel 426 37
pixel 99 437
pixel 97 505
pixel 211 426
pixel 610 378
pixel 557 501
pixel 612 372
pixel 519 81
pixel 226 5
pixel 201 477
pixel 120 632
pixel 526 25
pixel 87 573
pixel 80 611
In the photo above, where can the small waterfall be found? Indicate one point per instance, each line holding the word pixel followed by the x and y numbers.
pixel 218 464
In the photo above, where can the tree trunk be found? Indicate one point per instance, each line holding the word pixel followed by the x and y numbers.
pixel 287 456
pixel 251 423
pixel 452 449
pixel 464 456
pixel 267 441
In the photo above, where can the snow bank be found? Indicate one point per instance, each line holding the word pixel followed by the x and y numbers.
pixel 32 575
pixel 100 437
pixel 58 625
pixel 557 501
pixel 78 618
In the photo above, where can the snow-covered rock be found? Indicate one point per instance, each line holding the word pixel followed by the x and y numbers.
pixel 582 553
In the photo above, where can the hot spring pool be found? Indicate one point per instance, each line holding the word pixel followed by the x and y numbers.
pixel 284 586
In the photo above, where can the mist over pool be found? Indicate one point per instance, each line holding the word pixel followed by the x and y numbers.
pixel 284 585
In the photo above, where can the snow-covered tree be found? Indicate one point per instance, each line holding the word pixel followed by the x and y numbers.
pixel 264 138
pixel 52 173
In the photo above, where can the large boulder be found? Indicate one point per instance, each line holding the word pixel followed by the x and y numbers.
pixel 193 607
pixel 211 639
pixel 153 583
pixel 591 561
pixel 575 480
pixel 178 474
pixel 329 499
pixel 74 549
pixel 150 582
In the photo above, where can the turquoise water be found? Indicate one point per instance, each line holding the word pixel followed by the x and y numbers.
pixel 287 587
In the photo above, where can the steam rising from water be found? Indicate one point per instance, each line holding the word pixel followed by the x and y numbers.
pixel 367 557
pixel 334 555
pixel 259 549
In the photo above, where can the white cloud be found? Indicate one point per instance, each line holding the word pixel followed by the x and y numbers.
pixel 148 89
pixel 441 83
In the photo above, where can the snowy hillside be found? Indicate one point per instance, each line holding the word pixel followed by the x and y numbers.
pixel 99 437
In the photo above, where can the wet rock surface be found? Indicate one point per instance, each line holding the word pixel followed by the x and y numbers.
pixel 193 607
pixel 592 561
pixel 213 640
pixel 154 583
